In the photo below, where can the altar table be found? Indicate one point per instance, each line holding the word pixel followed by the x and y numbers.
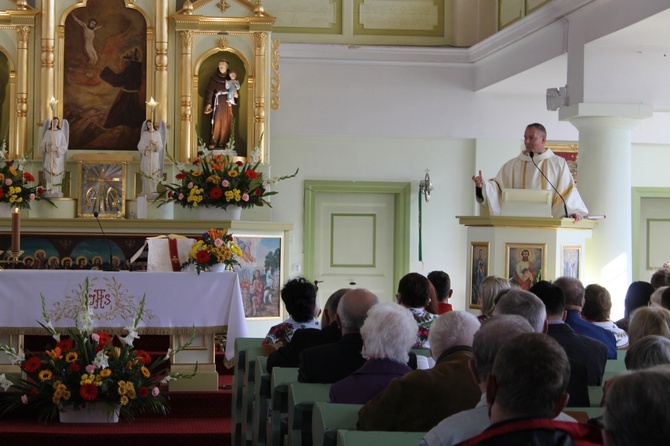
pixel 175 301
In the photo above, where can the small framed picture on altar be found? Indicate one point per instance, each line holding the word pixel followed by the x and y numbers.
pixel 102 189
pixel 261 275
pixel 571 261
pixel 525 264
pixel 479 268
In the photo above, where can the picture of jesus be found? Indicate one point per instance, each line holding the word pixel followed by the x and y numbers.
pixel 525 264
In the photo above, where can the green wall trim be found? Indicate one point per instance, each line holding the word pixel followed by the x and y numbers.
pixel 401 221
pixel 638 193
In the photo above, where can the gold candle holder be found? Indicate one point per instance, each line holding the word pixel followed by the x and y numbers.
pixel 12 258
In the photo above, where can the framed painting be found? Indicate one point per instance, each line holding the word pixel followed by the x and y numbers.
pixel 102 189
pixel 479 268
pixel 261 275
pixel 525 263
pixel 568 151
pixel 571 261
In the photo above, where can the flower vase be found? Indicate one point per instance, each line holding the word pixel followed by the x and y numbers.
pixel 218 268
pixel 90 413
pixel 213 213
pixel 6 210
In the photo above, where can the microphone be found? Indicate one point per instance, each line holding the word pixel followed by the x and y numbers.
pixel 109 244
pixel 531 154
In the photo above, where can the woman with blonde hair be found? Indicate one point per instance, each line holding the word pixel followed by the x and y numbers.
pixel 488 290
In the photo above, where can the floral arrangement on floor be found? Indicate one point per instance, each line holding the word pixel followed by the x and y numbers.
pixel 89 366
pixel 216 179
pixel 14 187
pixel 215 247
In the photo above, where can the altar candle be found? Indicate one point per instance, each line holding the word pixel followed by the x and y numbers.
pixel 16 230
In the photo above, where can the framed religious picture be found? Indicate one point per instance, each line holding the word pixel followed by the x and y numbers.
pixel 569 152
pixel 260 275
pixel 571 260
pixel 102 189
pixel 479 268
pixel 524 264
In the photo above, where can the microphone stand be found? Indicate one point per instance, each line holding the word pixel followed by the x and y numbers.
pixel 531 154
pixel 109 244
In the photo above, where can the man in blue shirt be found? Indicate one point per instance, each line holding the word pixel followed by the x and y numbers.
pixel 574 301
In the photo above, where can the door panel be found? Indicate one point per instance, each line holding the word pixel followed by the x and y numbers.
pixel 353 243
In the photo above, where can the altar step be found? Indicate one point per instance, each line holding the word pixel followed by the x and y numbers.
pixel 195 418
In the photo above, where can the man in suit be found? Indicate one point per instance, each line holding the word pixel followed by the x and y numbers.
pixel 574 301
pixel 329 363
pixel 422 398
pixel 579 348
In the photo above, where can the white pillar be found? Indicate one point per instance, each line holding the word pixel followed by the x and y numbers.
pixel 605 185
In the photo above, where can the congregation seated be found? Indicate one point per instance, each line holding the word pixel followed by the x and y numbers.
pixel 647 321
pixel 490 287
pixel 657 297
pixel 487 341
pixel 421 399
pixel 388 333
pixel 416 292
pixel 579 348
pixel 329 363
pixel 289 354
pixel 636 409
pixel 525 392
pixel 637 295
pixel 442 284
pixel 574 301
pixel 299 297
pixel 531 308
pixel 597 307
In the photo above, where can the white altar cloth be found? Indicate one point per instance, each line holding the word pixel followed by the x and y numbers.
pixel 175 301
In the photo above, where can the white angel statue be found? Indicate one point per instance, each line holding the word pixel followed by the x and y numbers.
pixel 152 154
pixel 53 145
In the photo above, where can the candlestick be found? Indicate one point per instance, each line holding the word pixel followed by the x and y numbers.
pixel 16 230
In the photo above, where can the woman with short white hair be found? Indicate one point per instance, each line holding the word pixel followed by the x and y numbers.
pixel 388 334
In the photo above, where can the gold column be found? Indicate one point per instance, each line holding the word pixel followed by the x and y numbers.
pixel 22 37
pixel 260 43
pixel 48 88
pixel 161 60
pixel 186 108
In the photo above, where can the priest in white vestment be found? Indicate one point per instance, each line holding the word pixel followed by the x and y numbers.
pixel 520 173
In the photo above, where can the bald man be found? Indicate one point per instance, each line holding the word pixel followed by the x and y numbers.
pixel 332 362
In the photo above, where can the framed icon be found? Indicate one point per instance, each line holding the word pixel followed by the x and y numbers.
pixel 479 268
pixel 525 264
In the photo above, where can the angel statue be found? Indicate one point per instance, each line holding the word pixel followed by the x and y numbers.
pixel 53 145
pixel 152 153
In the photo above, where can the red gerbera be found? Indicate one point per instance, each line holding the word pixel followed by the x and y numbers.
pixel 197 161
pixel 259 192
pixel 89 392
pixel 32 364
pixel 143 391
pixel 74 367
pixel 180 176
pixel 65 345
pixel 144 357
pixel 104 338
pixel 216 193
pixel 239 163
pixel 9 163
pixel 252 174
pixel 28 176
pixel 202 256
pixel 40 190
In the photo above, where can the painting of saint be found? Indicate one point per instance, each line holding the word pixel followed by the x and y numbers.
pixel 104 76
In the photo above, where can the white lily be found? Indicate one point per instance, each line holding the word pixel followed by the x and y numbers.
pixel 5 383
pixel 131 336
pixel 101 361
